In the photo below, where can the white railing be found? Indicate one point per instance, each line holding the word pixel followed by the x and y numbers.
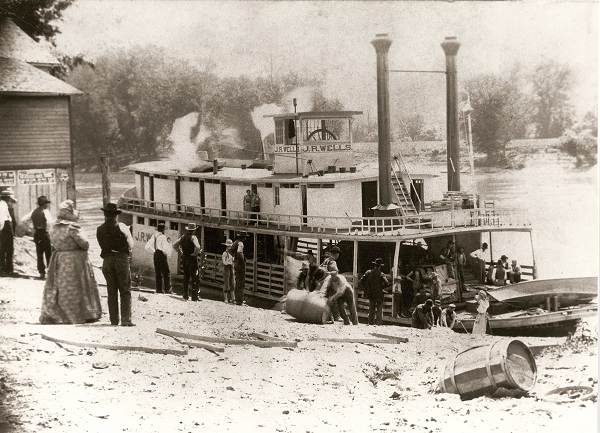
pixel 360 226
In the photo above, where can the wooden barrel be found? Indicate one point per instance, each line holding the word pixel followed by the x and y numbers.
pixel 309 307
pixel 480 370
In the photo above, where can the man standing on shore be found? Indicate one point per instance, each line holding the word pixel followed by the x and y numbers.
pixel 189 248
pixel 239 269
pixel 40 217
pixel 7 231
pixel 116 244
pixel 161 249
pixel 374 282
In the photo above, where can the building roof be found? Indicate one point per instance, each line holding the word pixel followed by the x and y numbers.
pixel 20 78
pixel 16 44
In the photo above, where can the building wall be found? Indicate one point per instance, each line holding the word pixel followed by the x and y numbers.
pixel 290 201
pixel 344 198
pixel 190 193
pixel 138 185
pixel 164 190
pixel 146 188
pixel 266 199
pixel 212 195
pixel 235 196
pixel 34 132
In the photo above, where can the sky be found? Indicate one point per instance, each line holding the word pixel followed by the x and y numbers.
pixel 332 40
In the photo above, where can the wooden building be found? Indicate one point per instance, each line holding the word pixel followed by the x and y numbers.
pixel 35 129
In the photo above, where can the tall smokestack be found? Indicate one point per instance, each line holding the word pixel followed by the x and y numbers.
pixel 450 47
pixel 382 45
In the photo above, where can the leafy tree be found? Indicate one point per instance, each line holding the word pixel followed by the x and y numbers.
pixel 552 84
pixel 37 18
pixel 589 123
pixel 131 99
pixel 499 113
pixel 412 126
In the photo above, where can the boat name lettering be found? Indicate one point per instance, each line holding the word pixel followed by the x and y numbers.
pixel 143 236
pixel 315 148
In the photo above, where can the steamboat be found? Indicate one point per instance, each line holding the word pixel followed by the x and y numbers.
pixel 315 194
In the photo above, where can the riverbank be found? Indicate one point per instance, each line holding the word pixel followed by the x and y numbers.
pixel 314 387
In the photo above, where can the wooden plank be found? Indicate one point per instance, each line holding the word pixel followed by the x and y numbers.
pixel 206 346
pixel 116 347
pixel 394 338
pixel 233 341
pixel 264 337
pixel 356 340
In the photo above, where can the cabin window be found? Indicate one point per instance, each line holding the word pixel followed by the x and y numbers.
pixel 324 130
pixel 174 225
pixel 141 220
pixel 279 131
pixel 153 222
pixel 276 196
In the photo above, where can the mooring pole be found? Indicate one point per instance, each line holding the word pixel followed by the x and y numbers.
pixel 105 168
pixel 450 47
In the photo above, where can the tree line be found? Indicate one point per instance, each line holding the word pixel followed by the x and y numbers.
pixel 514 105
pixel 132 97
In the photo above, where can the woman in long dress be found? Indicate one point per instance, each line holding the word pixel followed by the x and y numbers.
pixel 71 293
pixel 483 303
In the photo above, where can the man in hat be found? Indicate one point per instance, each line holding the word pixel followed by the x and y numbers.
pixel 422 317
pixel 315 274
pixel 329 267
pixel 449 316
pixel 40 218
pixel 7 231
pixel 481 256
pixel 302 280
pixel 189 248
pixel 239 268
pixel 228 282
pixel 374 282
pixel 116 243
pixel 160 247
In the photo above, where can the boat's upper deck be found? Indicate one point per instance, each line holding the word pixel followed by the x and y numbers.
pixel 338 203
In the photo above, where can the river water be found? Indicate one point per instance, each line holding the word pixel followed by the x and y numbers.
pixel 561 200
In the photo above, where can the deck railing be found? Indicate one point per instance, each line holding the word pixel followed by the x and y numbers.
pixel 359 226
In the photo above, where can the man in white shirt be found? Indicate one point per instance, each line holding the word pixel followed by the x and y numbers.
pixel 160 246
pixel 482 256
pixel 41 218
pixel 7 231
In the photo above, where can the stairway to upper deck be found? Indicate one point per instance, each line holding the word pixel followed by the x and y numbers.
pixel 407 207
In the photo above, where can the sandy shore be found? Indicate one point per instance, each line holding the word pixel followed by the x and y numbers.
pixel 315 387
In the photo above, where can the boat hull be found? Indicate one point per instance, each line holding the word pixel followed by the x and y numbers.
pixel 567 291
